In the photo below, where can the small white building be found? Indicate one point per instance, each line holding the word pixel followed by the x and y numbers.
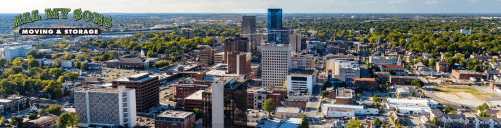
pixel 403 91
pixel 301 81
pixel 411 106
pixel 342 110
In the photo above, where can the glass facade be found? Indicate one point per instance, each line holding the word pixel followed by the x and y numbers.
pixel 274 19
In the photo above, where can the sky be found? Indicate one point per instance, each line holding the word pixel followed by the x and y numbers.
pixel 258 6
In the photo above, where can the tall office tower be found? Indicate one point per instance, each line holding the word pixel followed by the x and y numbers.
pixel 106 107
pixel 276 62
pixel 239 63
pixel 146 87
pixel 224 104
pixel 237 44
pixel 295 42
pixel 248 30
pixel 274 25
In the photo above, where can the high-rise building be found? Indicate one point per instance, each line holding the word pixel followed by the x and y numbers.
pixel 14 52
pixel 147 89
pixel 274 18
pixel 276 62
pixel 295 42
pixel 224 104
pixel 106 107
pixel 239 63
pixel 303 61
pixel 248 30
pixel 237 44
pixel 206 55
pixel 276 34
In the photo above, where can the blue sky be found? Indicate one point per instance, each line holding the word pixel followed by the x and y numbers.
pixel 258 6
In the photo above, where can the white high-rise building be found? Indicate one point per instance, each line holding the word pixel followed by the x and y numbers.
pixel 276 62
pixel 14 52
pixel 101 107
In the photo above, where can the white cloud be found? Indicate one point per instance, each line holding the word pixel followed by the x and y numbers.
pixel 431 2
pixel 397 1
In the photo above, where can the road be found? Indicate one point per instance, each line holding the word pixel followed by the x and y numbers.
pixel 21 112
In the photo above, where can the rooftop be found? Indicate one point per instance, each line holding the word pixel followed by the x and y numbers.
pixel 344 93
pixel 288 109
pixel 269 123
pixel 175 114
pixel 302 72
pixel 44 119
pixel 466 72
pixel 195 96
pixel 393 66
pixel 341 110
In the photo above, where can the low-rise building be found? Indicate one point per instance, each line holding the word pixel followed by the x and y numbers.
pixel 193 101
pixel 298 103
pixel 466 74
pixel 174 119
pixel 301 81
pixel 288 112
pixel 402 79
pixel 340 110
pixel 345 96
pixel 366 83
pixel 442 66
pixel 398 69
pixel 411 106
pixel 46 121
pixel 128 63
pixel 256 98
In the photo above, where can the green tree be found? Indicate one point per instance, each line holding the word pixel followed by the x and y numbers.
pixel 418 83
pixel 375 98
pixel 54 109
pixel 33 63
pixel 42 112
pixel 84 66
pixel 77 65
pixel 316 61
pixel 198 113
pixel 57 63
pixel 378 122
pixel 397 111
pixel 32 116
pixel 269 106
pixel 53 56
pixel 324 93
pixel 435 121
pixel 354 123
pixel 2 121
pixel 304 123
pixel 80 57
pixel 72 75
pixel 3 61
pixel 56 72
pixel 484 114
pixel 422 94
pixel 16 121
pixel 412 93
pixel 18 61
pixel 482 107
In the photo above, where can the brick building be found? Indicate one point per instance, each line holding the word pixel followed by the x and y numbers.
pixel 299 103
pixel 239 63
pixel 183 90
pixel 345 96
pixel 398 69
pixel 402 79
pixel 193 101
pixel 174 119
pixel 128 63
pixel 466 74
pixel 366 83
pixel 442 66
pixel 236 44
pixel 256 98
pixel 146 86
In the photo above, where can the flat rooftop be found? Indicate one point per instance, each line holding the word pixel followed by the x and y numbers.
pixel 288 109
pixel 175 114
pixel 195 96
pixel 341 110
pixel 344 93
pixel 302 72
pixel 466 72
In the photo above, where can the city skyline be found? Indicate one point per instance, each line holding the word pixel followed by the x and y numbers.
pixel 260 6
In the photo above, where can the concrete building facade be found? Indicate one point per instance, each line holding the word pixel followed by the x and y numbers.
pixel 106 107
pixel 276 62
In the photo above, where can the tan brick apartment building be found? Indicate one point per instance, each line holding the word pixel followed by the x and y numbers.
pixel 147 89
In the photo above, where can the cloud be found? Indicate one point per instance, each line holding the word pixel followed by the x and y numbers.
pixel 368 2
pixel 397 1
pixel 431 2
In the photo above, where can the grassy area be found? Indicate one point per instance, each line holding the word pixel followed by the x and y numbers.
pixel 471 90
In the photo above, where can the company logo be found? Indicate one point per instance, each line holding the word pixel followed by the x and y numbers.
pixel 78 14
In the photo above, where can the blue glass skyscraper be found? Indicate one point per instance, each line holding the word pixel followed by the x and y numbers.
pixel 274 18
pixel 274 25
